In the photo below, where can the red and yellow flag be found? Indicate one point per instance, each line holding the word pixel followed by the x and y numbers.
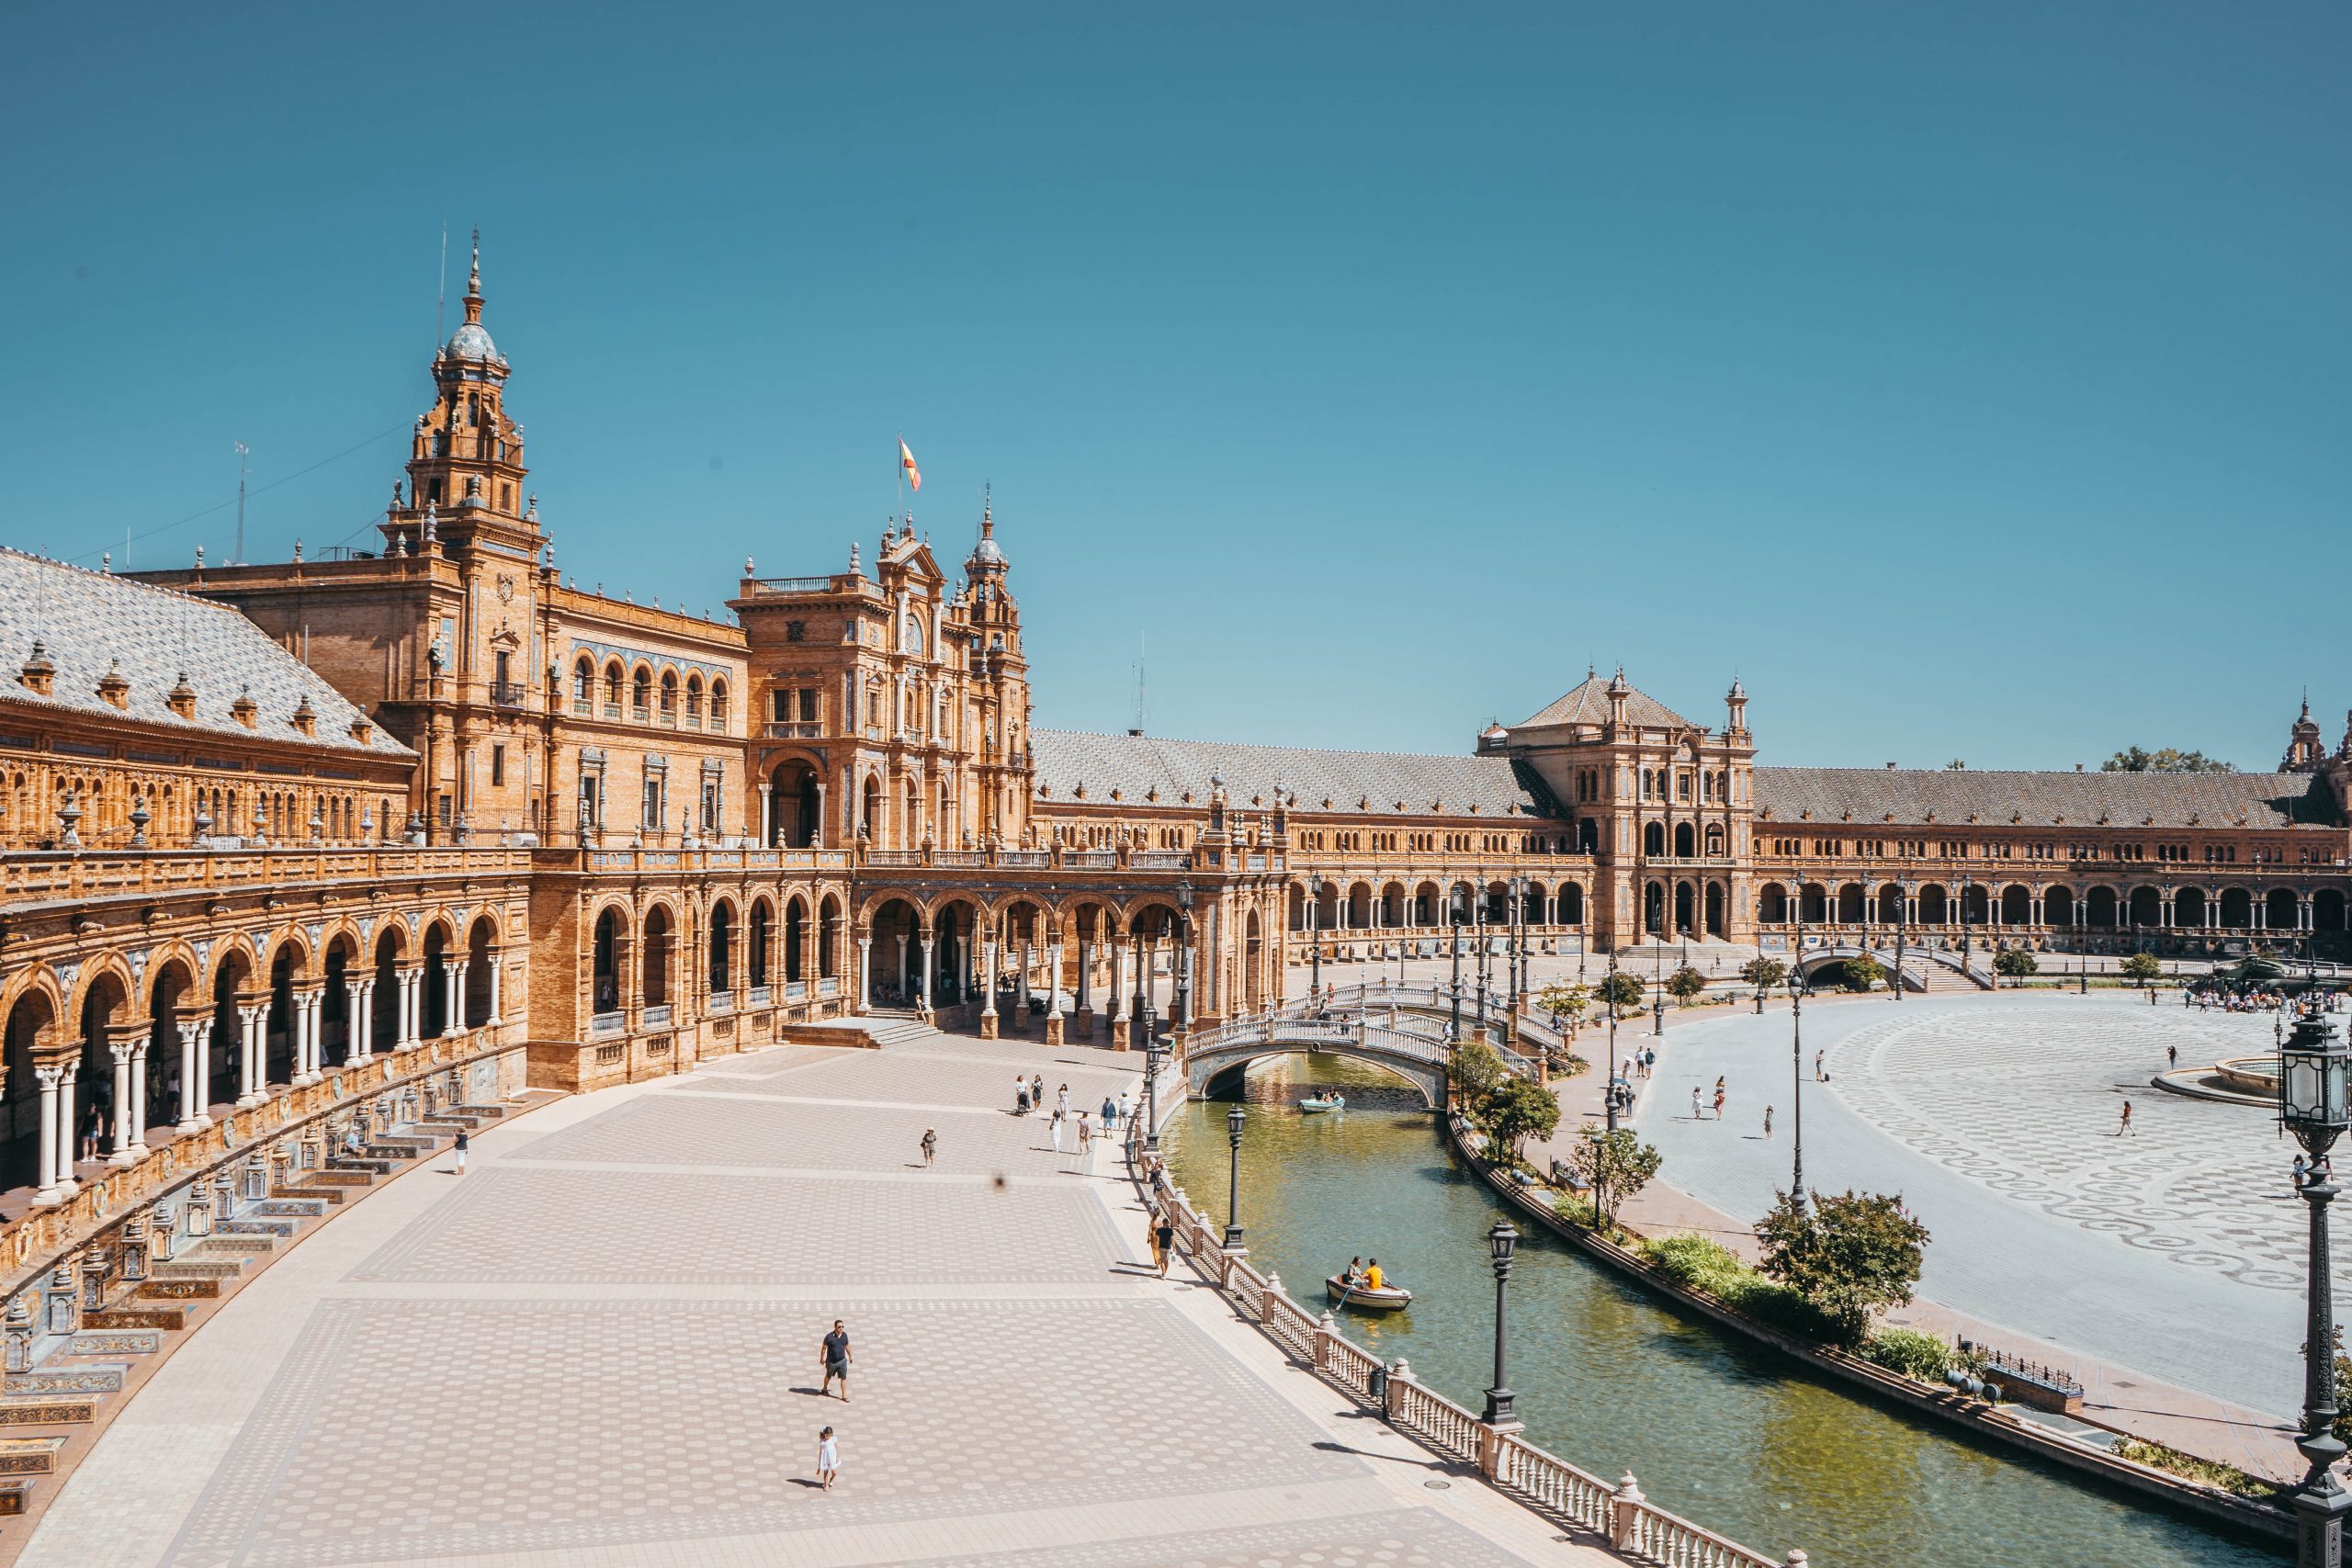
pixel 907 462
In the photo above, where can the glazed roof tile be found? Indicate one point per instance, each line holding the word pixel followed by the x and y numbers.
pixel 1135 765
pixel 1588 703
pixel 89 621
pixel 2044 799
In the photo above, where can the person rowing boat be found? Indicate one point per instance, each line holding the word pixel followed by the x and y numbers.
pixel 1366 1287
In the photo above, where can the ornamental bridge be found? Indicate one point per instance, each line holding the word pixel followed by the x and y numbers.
pixel 1403 1028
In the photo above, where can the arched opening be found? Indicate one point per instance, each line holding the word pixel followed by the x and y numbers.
pixel 1392 904
pixel 1975 905
pixel 1425 904
pixel 894 953
pixel 105 1023
pixel 1715 909
pixel 1935 905
pixel 1685 911
pixel 653 951
pixel 173 984
pixel 224 1058
pixel 721 967
pixel 829 931
pixel 869 817
pixel 2099 907
pixel 1327 906
pixel 2327 910
pixel 2189 908
pixel 335 1005
pixel 605 967
pixel 1653 908
pixel 792 806
pixel 2237 908
pixel 437 980
pixel 1715 841
pixel 1571 904
pixel 796 936
pixel 1685 842
pixel 2017 905
pixel 1359 906
pixel 758 937
pixel 2147 907
pixel 1772 904
pixel 278 1030
pixel 31 1033
pixel 384 1005
pixel 2058 907
pixel 475 988
pixel 1849 904
pixel 1253 978
pixel 1654 838
pixel 1813 903
pixel 2279 911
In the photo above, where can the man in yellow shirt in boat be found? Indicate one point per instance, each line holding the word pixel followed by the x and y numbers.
pixel 1372 1276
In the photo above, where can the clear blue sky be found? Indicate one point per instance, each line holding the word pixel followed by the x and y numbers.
pixel 1974 386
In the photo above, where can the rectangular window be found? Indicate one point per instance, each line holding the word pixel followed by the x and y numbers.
pixel 780 705
pixel 709 806
pixel 809 706
pixel 654 800
pixel 506 663
pixel 497 761
pixel 443 810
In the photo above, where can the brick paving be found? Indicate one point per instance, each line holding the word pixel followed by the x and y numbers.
pixel 600 1348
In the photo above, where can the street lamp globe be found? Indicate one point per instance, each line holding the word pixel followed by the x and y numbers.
pixel 1502 1241
pixel 2315 1082
pixel 2312 1068
pixel 1233 1121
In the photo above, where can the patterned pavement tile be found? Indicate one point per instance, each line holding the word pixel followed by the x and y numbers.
pixel 1407 1538
pixel 607 1424
pixel 922 1079
pixel 511 1224
pixel 675 1127
pixel 783 1059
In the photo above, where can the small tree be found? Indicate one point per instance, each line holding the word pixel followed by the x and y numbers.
pixel 2016 963
pixel 1618 1165
pixel 1476 1069
pixel 1862 972
pixel 2142 967
pixel 1685 984
pixel 1621 991
pixel 1517 1109
pixel 1763 973
pixel 1566 1000
pixel 1850 1256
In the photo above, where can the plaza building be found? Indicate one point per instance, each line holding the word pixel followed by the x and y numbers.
pixel 437 803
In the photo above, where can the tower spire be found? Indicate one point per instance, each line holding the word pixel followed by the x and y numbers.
pixel 474 283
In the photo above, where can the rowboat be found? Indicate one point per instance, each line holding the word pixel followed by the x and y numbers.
pixel 1388 1298
pixel 1315 1103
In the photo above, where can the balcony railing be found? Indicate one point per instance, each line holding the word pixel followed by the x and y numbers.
pixel 656 1016
pixel 796 729
pixel 506 694
pixel 760 996
pixel 603 1025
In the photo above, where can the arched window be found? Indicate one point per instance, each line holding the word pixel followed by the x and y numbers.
pixel 641 694
pixel 668 697
pixel 584 683
pixel 612 678
pixel 693 699
pixel 718 704
pixel 722 931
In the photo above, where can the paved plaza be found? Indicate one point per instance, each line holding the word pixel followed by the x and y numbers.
pixel 600 1348
pixel 2177 1251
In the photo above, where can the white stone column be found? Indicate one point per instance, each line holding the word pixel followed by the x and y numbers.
pixel 355 1021
pixel 925 977
pixel 453 978
pixel 253 1040
pixel 497 977
pixel 64 1178
pixel 865 971
pixel 1119 975
pixel 1085 958
pixel 139 1096
pixel 1054 978
pixel 306 1028
pixel 195 1037
pixel 45 1168
pixel 120 1153
pixel 987 977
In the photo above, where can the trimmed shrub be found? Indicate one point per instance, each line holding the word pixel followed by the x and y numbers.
pixel 1922 1357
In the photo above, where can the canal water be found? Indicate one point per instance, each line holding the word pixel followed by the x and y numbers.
pixel 1721 1431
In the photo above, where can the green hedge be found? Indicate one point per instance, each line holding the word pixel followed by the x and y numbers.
pixel 1698 1264
pixel 1915 1355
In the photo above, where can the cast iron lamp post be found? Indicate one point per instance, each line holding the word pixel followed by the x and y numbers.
pixel 2313 1070
pixel 1478 928
pixel 1902 930
pixel 1314 947
pixel 1182 1015
pixel 1233 1121
pixel 1153 1053
pixel 1501 1242
pixel 1457 964
pixel 1796 1060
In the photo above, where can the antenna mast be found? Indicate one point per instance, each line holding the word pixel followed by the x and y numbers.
pixel 1139 686
pixel 441 296
pixel 239 556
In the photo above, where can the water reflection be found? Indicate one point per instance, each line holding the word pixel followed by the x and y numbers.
pixel 1716 1429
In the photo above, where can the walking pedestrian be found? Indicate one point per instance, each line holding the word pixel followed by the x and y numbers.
pixel 1163 1243
pixel 461 1152
pixel 1038 1090
pixel 929 1145
pixel 1085 1133
pixel 2300 1173
pixel 2126 1124
pixel 2172 1056
pixel 1818 1075
pixel 1767 1123
pixel 1719 1102
pixel 1057 1132
pixel 1019 1094
pixel 828 1459
pixel 1123 1103
pixel 1061 1101
pixel 1695 1112
pixel 1110 1113
pixel 834 1353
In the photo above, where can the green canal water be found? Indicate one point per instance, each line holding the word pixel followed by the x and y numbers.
pixel 1717 1429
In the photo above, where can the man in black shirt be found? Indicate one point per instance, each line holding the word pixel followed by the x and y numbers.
pixel 836 1357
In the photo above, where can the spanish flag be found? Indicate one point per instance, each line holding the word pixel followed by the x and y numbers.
pixel 907 462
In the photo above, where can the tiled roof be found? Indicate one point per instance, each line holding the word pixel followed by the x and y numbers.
pixel 1135 765
pixel 90 621
pixel 2069 799
pixel 1588 703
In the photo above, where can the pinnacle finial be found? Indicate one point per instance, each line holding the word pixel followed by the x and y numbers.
pixel 473 279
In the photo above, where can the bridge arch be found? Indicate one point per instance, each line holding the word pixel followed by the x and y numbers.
pixel 1216 1058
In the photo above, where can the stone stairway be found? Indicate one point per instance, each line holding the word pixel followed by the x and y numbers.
pixel 878 1029
pixel 97 1326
